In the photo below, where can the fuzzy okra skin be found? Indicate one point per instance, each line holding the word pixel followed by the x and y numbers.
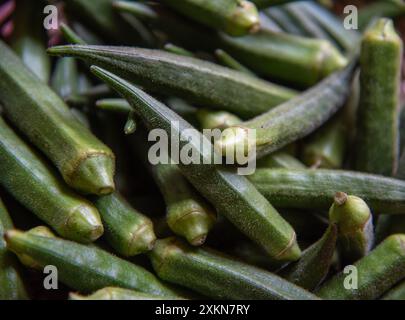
pixel 355 225
pixel 291 120
pixel 293 59
pixel 85 163
pixel 235 17
pixel 231 194
pixel 397 293
pixel 128 231
pixel 112 293
pixel 11 284
pixel 377 149
pixel 85 268
pixel 315 262
pixel 33 183
pixel 224 278
pixel 199 81
pixel 316 189
pixel 376 273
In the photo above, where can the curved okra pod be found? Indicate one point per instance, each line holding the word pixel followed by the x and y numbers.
pixel 85 268
pixel 378 9
pixel 280 160
pixel 29 179
pixel 316 189
pixel 355 226
pixel 231 194
pixel 293 59
pixel 292 120
pixel 376 273
pixel 315 262
pixel 112 293
pixel 224 278
pixel 397 293
pixel 84 162
pixel 212 86
pixel 378 117
pixel 235 17
pixel 11 284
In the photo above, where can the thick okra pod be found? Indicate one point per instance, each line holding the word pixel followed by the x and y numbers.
pixel 85 268
pixel 224 278
pixel 397 293
pixel 292 120
pixel 112 293
pixel 84 162
pixel 315 262
pixel 29 179
pixel 231 194
pixel 235 17
pixel 378 9
pixel 212 85
pixel 355 226
pixel 11 285
pixel 376 273
pixel 378 117
pixel 316 189
pixel 128 231
pixel 293 59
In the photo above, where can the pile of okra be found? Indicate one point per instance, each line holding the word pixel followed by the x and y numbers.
pixel 85 86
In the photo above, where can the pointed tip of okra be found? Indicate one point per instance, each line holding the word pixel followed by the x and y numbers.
pixel 84 225
pixel 245 19
pixel 292 252
pixel 94 175
pixel 382 29
pixel 332 59
pixel 238 141
pixel 142 240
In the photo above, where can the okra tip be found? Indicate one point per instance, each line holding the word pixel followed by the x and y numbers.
pixel 332 59
pixel 382 29
pixel 163 249
pixel 292 252
pixel 142 240
pixel 245 17
pixel 237 140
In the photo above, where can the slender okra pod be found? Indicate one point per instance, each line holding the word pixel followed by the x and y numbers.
pixel 378 9
pixel 315 189
pixel 231 194
pixel 169 47
pixel 266 23
pixel 212 86
pixel 128 231
pixel 230 62
pixel 355 226
pixel 112 293
pixel 115 105
pixel 64 80
pixel 315 262
pixel 84 162
pixel 11 284
pixel 70 35
pixel 292 120
pixel 235 17
pixel 210 119
pixel 280 160
pixel 397 293
pixel 30 180
pixel 283 19
pixel 224 278
pixel 376 273
pixel 378 116
pixel 85 268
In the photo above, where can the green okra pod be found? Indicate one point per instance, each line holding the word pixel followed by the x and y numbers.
pixel 292 120
pixel 289 58
pixel 376 273
pixel 65 77
pixel 397 293
pixel 280 160
pixel 315 189
pixel 283 19
pixel 269 3
pixel 212 86
pixel 84 162
pixel 228 61
pixel 34 184
pixel 235 17
pixel 267 23
pixel 11 284
pixel 85 268
pixel 377 149
pixel 379 9
pixel 128 231
pixel 169 47
pixel 231 194
pixel 115 105
pixel 315 262
pixel 112 293
pixel 355 226
pixel 210 119
pixel 70 35
pixel 224 278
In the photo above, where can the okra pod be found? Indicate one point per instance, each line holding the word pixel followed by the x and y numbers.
pixel 315 189
pixel 292 120
pixel 84 162
pixel 111 293
pixel 378 116
pixel 228 61
pixel 224 278
pixel 11 284
pixel 379 9
pixel 128 231
pixel 315 262
pixel 210 119
pixel 212 86
pixel 70 35
pixel 85 268
pixel 35 185
pixel 169 47
pixel 397 293
pixel 376 273
pixel 269 3
pixel 115 105
pixel 235 17
pixel 280 160
pixel 243 205
pixel 282 18
pixel 355 226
